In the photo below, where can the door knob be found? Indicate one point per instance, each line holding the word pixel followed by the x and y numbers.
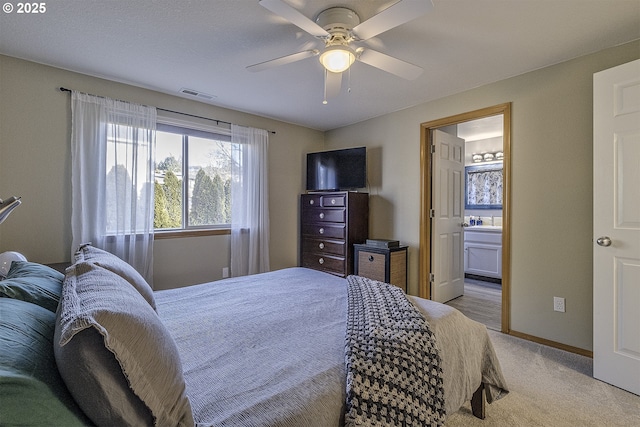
pixel 604 241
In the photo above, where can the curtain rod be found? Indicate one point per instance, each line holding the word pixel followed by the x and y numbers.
pixel 64 89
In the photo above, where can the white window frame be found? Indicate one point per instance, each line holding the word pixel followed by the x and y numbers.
pixel 200 128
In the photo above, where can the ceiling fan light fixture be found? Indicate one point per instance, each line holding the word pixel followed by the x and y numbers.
pixel 337 58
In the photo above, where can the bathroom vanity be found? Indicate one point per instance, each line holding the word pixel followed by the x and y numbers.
pixel 483 251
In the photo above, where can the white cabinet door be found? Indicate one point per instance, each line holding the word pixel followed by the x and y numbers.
pixel 616 226
pixel 483 259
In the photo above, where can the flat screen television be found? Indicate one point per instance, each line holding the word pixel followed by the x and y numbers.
pixel 337 169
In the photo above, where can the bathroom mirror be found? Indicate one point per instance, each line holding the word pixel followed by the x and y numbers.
pixel 483 186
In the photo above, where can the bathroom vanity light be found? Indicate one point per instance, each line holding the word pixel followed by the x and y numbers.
pixel 487 157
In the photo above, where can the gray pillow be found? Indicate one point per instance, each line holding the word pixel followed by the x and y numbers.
pixel 105 259
pixel 115 355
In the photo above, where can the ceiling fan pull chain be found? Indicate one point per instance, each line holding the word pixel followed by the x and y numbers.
pixel 324 101
pixel 349 81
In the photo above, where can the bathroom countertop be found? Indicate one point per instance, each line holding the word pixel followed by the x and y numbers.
pixel 488 228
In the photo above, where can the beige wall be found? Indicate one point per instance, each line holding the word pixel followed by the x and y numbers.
pixel 35 164
pixel 551 182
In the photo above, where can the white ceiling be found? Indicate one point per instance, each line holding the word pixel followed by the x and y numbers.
pixel 479 129
pixel 166 45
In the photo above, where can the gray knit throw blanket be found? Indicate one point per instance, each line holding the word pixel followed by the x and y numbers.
pixel 394 376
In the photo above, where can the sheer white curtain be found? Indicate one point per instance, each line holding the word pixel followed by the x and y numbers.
pixel 249 201
pixel 112 156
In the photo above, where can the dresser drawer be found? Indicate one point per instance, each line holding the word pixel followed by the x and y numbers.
pixel 331 264
pixel 313 200
pixel 333 231
pixel 323 215
pixel 321 246
pixel 335 201
pixel 324 200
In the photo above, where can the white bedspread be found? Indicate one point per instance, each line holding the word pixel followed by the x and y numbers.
pixel 269 349
pixel 468 357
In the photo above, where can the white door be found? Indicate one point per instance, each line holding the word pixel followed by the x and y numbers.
pixel 447 234
pixel 616 226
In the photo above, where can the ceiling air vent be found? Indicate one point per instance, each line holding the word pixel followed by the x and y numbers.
pixel 197 94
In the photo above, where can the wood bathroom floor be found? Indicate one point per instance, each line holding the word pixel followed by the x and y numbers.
pixel 482 302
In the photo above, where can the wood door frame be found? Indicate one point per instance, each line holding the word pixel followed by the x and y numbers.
pixel 426 171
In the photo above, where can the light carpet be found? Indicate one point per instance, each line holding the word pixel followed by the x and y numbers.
pixel 550 387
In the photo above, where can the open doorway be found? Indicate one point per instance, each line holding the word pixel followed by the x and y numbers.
pixel 492 211
pixel 483 160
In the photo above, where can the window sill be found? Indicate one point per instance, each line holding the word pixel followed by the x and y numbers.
pixel 178 234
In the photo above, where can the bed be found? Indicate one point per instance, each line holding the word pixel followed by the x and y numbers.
pixel 262 350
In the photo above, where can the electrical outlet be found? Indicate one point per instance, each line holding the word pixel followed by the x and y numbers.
pixel 558 304
pixel 225 272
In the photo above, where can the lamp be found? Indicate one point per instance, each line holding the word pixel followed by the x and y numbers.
pixel 6 206
pixel 337 58
pixel 6 258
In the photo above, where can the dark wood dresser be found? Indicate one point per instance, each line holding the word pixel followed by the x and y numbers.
pixel 330 224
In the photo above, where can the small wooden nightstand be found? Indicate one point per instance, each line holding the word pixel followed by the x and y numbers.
pixel 59 266
pixel 383 264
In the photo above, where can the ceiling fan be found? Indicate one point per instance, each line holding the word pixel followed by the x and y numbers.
pixel 340 29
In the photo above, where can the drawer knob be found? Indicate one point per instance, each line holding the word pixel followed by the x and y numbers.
pixel 321 261
pixel 370 258
pixel 333 201
pixel 321 245
pixel 321 215
pixel 321 231
pixel 311 201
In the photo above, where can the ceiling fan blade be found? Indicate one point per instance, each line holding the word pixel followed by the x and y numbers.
pixel 282 60
pixel 397 14
pixel 389 64
pixel 292 15
pixel 334 84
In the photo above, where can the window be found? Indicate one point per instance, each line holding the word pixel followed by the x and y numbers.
pixel 192 182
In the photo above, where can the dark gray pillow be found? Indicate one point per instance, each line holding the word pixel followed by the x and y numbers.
pixel 115 355
pixel 31 389
pixel 34 283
